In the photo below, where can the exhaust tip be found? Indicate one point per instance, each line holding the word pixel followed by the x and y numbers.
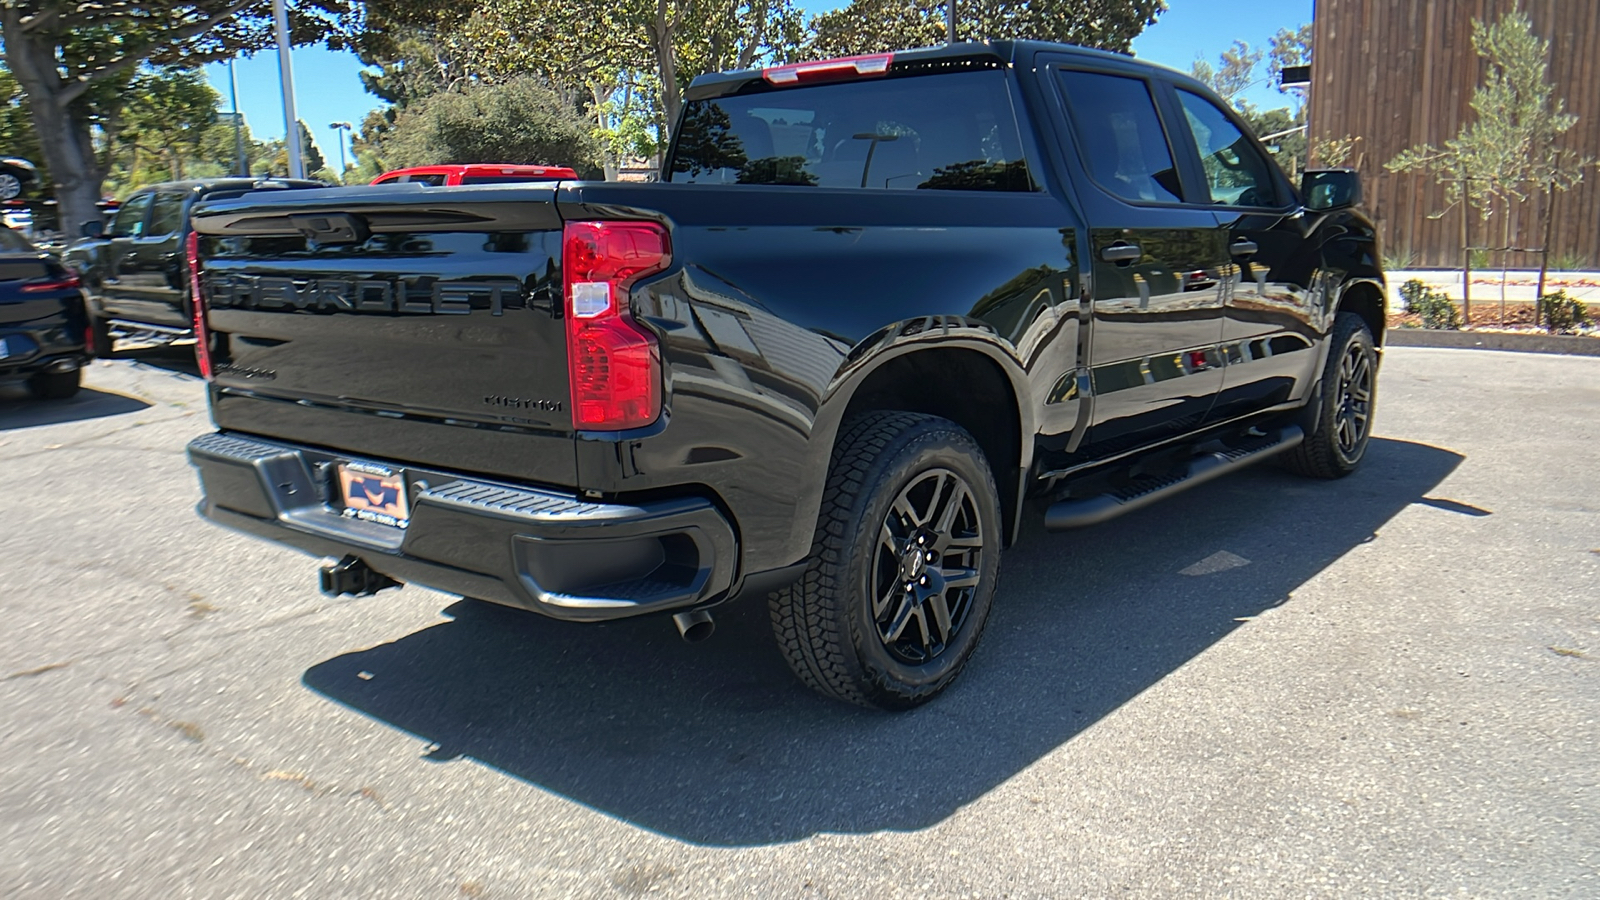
pixel 694 626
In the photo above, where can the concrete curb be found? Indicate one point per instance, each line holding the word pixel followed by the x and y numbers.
pixel 1573 345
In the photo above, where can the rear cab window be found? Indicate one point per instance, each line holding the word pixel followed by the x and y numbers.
pixel 955 131
pixel 1120 136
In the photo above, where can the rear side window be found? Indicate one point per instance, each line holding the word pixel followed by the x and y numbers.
pixel 1121 137
pixel 927 132
pixel 167 216
pixel 1236 173
pixel 429 180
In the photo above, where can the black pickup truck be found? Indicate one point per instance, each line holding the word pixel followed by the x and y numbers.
pixel 877 309
pixel 133 271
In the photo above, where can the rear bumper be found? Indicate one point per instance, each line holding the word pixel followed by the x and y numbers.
pixel 541 550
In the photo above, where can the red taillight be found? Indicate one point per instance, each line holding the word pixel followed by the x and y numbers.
pixel 829 69
pixel 54 284
pixel 614 364
pixel 202 344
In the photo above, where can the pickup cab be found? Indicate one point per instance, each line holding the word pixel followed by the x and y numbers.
pixel 877 312
pixel 133 271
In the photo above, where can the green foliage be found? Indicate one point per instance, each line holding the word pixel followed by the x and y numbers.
pixel 517 121
pixel 1432 306
pixel 1569 261
pixel 870 26
pixel 1479 259
pixel 1333 153
pixel 1235 73
pixel 1511 147
pixel 1399 259
pixel 1561 313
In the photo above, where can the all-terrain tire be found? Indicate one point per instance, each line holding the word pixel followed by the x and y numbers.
pixel 55 385
pixel 830 625
pixel 1337 440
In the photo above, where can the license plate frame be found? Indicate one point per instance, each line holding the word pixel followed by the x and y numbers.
pixel 374 493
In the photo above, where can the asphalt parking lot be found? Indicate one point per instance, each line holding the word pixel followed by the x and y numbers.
pixel 1267 687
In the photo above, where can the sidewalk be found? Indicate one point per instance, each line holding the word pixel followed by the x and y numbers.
pixel 1520 284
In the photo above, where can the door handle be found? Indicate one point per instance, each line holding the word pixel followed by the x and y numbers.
pixel 1243 247
pixel 1117 253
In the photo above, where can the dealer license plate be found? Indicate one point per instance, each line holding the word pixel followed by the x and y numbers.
pixel 374 493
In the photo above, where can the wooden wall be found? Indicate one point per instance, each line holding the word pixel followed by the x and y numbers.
pixel 1399 73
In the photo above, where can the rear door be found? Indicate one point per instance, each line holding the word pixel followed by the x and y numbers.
pixel 1157 264
pixel 374 322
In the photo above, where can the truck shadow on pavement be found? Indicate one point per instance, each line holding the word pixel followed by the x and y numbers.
pixel 18 408
pixel 718 744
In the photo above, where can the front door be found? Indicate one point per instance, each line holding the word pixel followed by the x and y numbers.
pixel 1158 266
pixel 1268 337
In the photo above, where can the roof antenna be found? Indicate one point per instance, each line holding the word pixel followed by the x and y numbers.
pixel 950 22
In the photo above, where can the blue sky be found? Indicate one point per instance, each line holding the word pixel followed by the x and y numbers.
pixel 328 85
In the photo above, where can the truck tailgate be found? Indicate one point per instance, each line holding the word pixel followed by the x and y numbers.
pixel 394 322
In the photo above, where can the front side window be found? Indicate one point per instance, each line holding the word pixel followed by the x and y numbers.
pixel 951 132
pixel 129 221
pixel 1120 134
pixel 1236 173
pixel 167 217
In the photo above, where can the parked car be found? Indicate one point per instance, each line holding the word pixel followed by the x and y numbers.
pixel 475 173
pixel 133 270
pixel 879 311
pixel 42 320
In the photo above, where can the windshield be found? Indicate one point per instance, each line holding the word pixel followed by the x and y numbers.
pixel 926 132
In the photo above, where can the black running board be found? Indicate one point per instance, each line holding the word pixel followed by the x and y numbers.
pixel 1081 511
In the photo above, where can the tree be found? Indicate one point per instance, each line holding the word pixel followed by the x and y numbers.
pixel 519 121
pixel 74 62
pixel 1234 73
pixel 1289 48
pixel 167 114
pixel 1511 149
pixel 873 26
pixel 1283 129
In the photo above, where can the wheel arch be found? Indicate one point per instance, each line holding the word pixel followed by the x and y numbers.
pixel 974 383
pixel 1366 297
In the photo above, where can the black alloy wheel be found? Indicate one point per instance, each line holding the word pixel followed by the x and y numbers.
pixel 1336 440
pixel 927 568
pixel 903 565
pixel 1354 416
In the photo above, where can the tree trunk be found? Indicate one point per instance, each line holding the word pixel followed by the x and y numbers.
pixel 63 139
pixel 608 159
pixel 661 34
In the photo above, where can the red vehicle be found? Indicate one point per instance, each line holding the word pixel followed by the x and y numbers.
pixel 475 173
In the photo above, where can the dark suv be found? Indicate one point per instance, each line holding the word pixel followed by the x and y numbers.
pixel 133 270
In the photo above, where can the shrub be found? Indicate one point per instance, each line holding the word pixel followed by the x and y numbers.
pixel 1562 313
pixel 1433 307
pixel 1570 261
pixel 1395 260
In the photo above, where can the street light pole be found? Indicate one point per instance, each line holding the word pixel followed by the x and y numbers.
pixel 341 130
pixel 291 130
pixel 238 124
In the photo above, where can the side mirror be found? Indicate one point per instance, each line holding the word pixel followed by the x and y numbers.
pixel 1325 189
pixel 93 230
